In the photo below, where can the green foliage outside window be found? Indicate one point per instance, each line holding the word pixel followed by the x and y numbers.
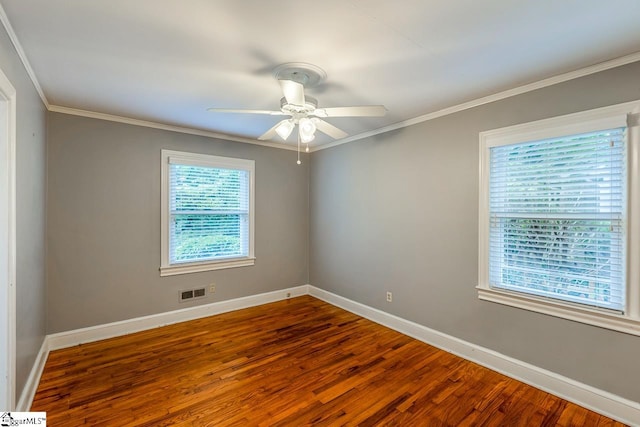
pixel 209 210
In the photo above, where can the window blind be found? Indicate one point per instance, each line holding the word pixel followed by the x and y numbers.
pixel 209 209
pixel 556 218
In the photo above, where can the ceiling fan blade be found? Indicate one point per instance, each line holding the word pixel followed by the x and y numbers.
pixel 362 111
pixel 293 92
pixel 329 129
pixel 232 110
pixel 271 132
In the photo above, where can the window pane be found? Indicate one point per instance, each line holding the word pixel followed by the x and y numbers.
pixel 579 174
pixel 573 260
pixel 196 188
pixel 203 237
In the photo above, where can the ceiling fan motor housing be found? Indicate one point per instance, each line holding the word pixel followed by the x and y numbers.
pixel 300 110
pixel 308 75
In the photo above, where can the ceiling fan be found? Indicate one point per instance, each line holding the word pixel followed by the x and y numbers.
pixel 303 110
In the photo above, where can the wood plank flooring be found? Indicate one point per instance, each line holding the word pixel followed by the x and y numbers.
pixel 291 363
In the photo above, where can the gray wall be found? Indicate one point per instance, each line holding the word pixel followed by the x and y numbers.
pixel 30 212
pixel 103 223
pixel 399 212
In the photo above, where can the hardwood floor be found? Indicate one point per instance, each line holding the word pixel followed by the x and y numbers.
pixel 291 363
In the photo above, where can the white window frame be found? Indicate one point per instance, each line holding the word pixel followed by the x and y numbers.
pixel 620 115
pixel 205 160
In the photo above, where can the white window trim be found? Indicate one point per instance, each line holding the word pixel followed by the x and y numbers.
pixel 582 122
pixel 167 269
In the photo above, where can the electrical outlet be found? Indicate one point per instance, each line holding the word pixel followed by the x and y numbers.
pixel 212 288
pixel 389 297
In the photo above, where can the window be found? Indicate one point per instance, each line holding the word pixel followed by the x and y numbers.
pixel 558 217
pixel 207 213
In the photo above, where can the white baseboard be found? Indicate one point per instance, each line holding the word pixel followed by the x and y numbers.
pixel 30 387
pixel 597 400
pixel 600 401
pixel 124 327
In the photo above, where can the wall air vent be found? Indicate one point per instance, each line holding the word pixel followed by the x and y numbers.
pixel 192 294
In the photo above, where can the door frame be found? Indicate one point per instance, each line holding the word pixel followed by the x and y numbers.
pixel 8 283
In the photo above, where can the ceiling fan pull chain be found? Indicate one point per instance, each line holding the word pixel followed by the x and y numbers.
pixel 298 149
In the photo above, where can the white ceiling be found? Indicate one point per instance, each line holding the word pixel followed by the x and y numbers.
pixel 167 61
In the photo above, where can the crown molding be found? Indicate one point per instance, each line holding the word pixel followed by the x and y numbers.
pixel 23 56
pixel 602 66
pixel 162 126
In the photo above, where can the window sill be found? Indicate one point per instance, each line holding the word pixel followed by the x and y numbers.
pixel 173 270
pixel 595 317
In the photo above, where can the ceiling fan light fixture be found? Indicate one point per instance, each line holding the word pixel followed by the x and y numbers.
pixel 306 138
pixel 307 129
pixel 285 128
pixel 303 111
